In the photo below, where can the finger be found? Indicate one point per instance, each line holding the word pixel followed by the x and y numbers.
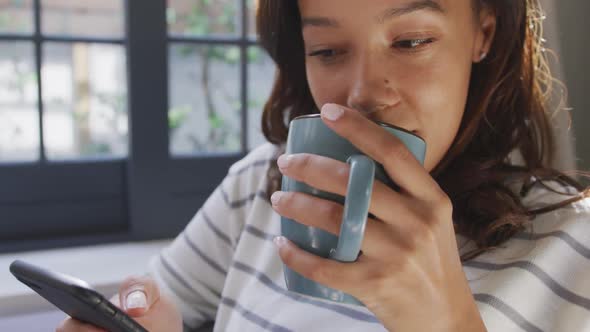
pixel 381 146
pixel 331 175
pixel 73 325
pixel 342 276
pixel 327 215
pixel 138 294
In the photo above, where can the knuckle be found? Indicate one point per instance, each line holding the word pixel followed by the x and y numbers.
pixel 424 234
pixel 333 212
pixel 288 198
pixel 412 242
pixel 143 283
pixel 130 281
pixel 442 207
pixel 343 172
pixel 305 168
pixel 341 175
pixel 420 231
pixel 305 162
pixel 287 257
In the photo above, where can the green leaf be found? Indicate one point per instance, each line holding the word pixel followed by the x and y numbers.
pixel 215 122
pixel 198 21
pixel 171 16
pixel 232 55
pixel 236 105
pixel 177 115
pixel 186 50
pixel 255 103
pixel 96 148
pixel 4 21
pixel 254 54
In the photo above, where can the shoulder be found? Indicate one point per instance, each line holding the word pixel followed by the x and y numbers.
pixel 568 225
pixel 552 193
pixel 248 175
pixel 563 216
pixel 257 159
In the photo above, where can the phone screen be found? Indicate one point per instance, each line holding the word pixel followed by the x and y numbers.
pixel 74 297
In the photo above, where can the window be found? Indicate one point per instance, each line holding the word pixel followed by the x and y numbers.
pixel 118 118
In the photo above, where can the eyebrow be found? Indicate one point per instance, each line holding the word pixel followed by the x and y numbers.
pixel 433 5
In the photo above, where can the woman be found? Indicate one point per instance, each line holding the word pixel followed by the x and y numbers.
pixel 470 242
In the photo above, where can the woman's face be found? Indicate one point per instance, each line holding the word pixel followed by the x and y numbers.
pixel 402 62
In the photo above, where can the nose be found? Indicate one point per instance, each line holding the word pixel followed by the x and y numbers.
pixel 371 90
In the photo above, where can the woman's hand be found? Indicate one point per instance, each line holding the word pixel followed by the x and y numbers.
pixel 410 273
pixel 143 302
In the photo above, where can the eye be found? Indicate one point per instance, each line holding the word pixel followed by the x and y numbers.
pixel 412 44
pixel 325 54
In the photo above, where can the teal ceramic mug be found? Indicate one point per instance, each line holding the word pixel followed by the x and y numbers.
pixel 309 134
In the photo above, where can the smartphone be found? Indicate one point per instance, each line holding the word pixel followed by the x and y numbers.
pixel 74 297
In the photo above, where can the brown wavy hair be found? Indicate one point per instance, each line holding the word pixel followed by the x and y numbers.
pixel 506 111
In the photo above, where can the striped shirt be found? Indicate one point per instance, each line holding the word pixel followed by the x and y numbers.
pixel 224 267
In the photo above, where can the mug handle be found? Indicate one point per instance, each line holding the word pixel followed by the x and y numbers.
pixel 356 208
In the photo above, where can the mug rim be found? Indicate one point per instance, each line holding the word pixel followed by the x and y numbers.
pixel 382 124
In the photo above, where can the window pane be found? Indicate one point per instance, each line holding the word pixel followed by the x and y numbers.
pixel 252 6
pixel 85 100
pixel 203 17
pixel 19 116
pixel 96 18
pixel 204 114
pixel 261 71
pixel 16 16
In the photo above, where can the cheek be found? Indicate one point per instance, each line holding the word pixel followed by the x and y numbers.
pixel 327 87
pixel 438 96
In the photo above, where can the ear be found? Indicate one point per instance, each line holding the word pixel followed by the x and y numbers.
pixel 485 30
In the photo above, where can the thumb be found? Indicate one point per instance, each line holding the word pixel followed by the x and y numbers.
pixel 137 295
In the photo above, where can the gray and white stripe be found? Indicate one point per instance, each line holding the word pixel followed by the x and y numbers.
pixel 565 237
pixel 253 317
pixel 527 294
pixel 535 270
pixel 507 311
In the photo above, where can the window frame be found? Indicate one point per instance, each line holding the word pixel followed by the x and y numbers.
pixel 148 195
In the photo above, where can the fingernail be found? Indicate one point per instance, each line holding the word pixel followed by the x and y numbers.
pixel 276 197
pixel 136 299
pixel 279 241
pixel 332 112
pixel 284 161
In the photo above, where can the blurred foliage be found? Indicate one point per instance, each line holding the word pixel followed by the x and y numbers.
pixel 210 18
pixel 177 115
pixel 206 18
pixel 4 22
pixel 7 18
pixel 96 149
